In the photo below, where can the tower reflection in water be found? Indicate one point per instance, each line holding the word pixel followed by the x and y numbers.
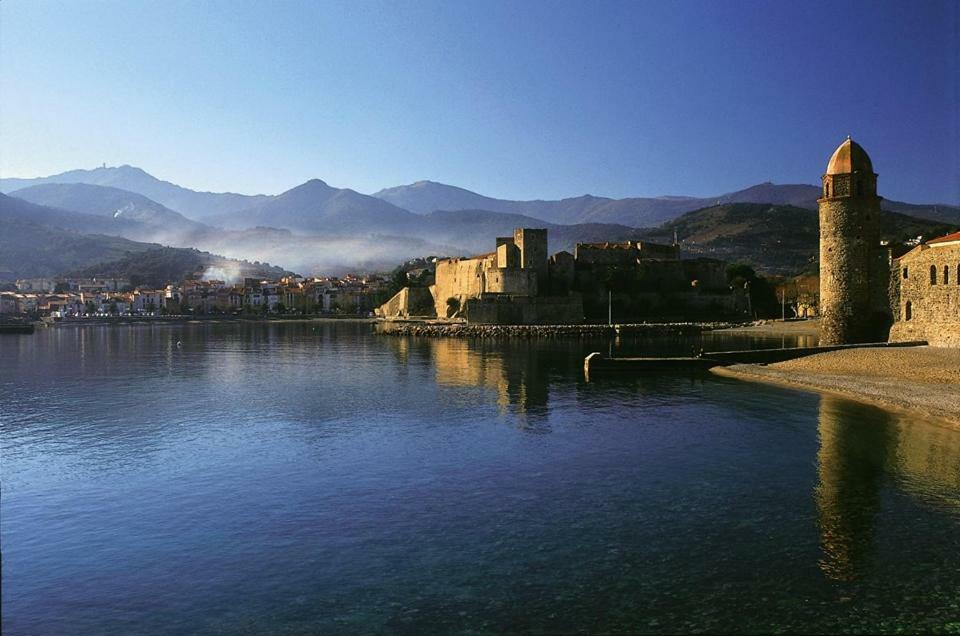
pixel 864 450
pixel 517 377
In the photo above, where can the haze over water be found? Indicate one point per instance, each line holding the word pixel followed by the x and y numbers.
pixel 316 477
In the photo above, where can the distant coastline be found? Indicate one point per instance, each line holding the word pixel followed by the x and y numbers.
pixel 131 320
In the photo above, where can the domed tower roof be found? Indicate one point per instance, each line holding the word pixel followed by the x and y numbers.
pixel 849 157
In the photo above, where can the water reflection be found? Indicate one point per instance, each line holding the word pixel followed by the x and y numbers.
pixel 862 451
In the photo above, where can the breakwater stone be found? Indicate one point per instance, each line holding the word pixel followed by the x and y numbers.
pixel 446 330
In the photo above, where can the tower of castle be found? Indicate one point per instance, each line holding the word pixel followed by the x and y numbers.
pixel 853 280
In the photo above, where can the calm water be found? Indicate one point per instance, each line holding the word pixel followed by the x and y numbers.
pixel 296 477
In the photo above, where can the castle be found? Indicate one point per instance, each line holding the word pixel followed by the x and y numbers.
pixel 507 286
pixel 865 294
pixel 518 284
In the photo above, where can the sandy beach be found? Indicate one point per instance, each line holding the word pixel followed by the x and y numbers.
pixel 919 380
pixel 780 328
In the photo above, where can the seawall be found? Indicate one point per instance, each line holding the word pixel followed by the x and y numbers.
pixel 448 330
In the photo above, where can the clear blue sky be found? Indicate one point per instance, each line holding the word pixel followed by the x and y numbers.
pixel 516 99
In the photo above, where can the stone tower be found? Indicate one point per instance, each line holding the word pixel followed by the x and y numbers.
pixel 853 273
pixel 532 244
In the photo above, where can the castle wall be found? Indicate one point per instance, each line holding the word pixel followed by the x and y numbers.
pixel 646 249
pixel 508 254
pixel 459 279
pixel 624 253
pixel 709 274
pixel 562 268
pixel 532 244
pixel 525 310
pixel 521 282
pixel 409 301
pixel 934 309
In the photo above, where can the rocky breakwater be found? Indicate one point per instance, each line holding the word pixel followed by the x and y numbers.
pixel 460 330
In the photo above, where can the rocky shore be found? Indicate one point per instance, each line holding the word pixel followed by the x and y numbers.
pixel 447 330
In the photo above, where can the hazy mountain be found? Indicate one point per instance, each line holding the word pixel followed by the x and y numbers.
pixel 29 249
pixel 315 207
pixel 423 197
pixel 109 202
pixel 44 241
pixel 157 266
pixel 477 229
pixel 426 196
pixel 196 205
pixel 781 239
pixel 13 208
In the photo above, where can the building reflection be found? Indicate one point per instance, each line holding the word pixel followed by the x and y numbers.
pixel 518 378
pixel 862 451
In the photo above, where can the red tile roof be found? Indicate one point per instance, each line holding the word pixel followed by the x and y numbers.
pixel 944 239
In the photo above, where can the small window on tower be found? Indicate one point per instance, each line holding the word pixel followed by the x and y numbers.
pixel 908 311
pixel 933 274
pixel 905 276
pixel 946 274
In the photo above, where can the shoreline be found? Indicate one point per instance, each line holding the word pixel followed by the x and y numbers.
pixel 461 330
pixel 920 381
pixel 196 320
pixel 804 327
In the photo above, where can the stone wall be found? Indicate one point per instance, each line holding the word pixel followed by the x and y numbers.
pixel 532 244
pixel 624 253
pixel 927 310
pixel 645 249
pixel 853 278
pixel 520 282
pixel 524 310
pixel 459 279
pixel 408 302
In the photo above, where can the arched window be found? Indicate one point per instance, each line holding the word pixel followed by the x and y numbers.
pixel 908 311
pixel 905 273
pixel 946 274
pixel 933 274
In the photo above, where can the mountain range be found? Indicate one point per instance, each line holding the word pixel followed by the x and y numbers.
pixel 34 242
pixel 315 227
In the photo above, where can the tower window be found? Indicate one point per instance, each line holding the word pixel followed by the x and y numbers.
pixel 933 274
pixel 905 276
pixel 946 274
pixel 908 311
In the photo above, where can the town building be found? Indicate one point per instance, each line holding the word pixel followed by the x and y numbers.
pixel 925 293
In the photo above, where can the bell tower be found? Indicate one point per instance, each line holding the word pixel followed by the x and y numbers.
pixel 853 272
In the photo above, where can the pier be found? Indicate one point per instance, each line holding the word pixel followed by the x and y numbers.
pixel 598 364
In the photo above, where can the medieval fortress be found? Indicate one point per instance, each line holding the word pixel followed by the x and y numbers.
pixel 870 291
pixel 867 295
